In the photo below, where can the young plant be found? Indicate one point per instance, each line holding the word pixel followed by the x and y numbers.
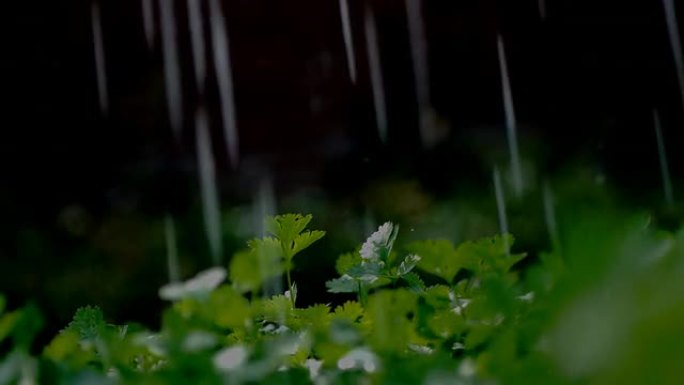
pixel 270 256
pixel 374 266
pixel 612 314
pixel 289 231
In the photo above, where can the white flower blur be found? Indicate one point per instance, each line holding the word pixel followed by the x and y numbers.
pixel 200 285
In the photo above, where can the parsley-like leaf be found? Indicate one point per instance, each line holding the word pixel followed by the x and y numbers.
pixel 343 284
pixel 346 262
pixel 438 257
pixel 414 282
pixel 88 322
pixel 407 264
pixel 289 229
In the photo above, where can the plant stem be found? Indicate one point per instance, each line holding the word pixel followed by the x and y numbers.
pixel 363 295
pixel 289 287
pixel 359 293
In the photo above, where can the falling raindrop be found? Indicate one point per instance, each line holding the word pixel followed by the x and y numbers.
pixel 197 42
pixel 550 215
pixel 265 206
pixel 376 74
pixel 100 65
pixel 171 248
pixel 224 74
pixel 416 27
pixel 148 22
pixel 172 74
pixel 418 50
pixel 542 8
pixel 500 202
pixel 208 187
pixel 369 224
pixel 348 43
pixel 511 125
pixel 662 156
pixel 675 43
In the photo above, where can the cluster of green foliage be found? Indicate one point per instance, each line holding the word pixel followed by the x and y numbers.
pixel 606 306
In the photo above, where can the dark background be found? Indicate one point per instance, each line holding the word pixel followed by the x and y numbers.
pixel 81 190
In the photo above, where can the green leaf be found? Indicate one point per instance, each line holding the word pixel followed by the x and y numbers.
pixel 62 345
pixel 505 264
pixel 439 297
pixel 489 254
pixel 347 261
pixel 3 303
pixel 305 240
pixel 229 308
pixel 276 309
pixel 245 273
pixel 317 316
pixel 478 335
pixel 66 348
pixel 343 284
pixel 250 269
pixel 438 257
pixel 88 322
pixel 287 226
pixel 408 264
pixel 351 311
pixel 7 323
pixel 370 267
pixel 367 272
pixel 265 250
pixel 414 282
pixel 27 326
pixel 391 312
pixel 445 323
pixel 288 229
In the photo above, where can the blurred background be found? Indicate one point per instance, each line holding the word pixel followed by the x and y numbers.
pixel 137 128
